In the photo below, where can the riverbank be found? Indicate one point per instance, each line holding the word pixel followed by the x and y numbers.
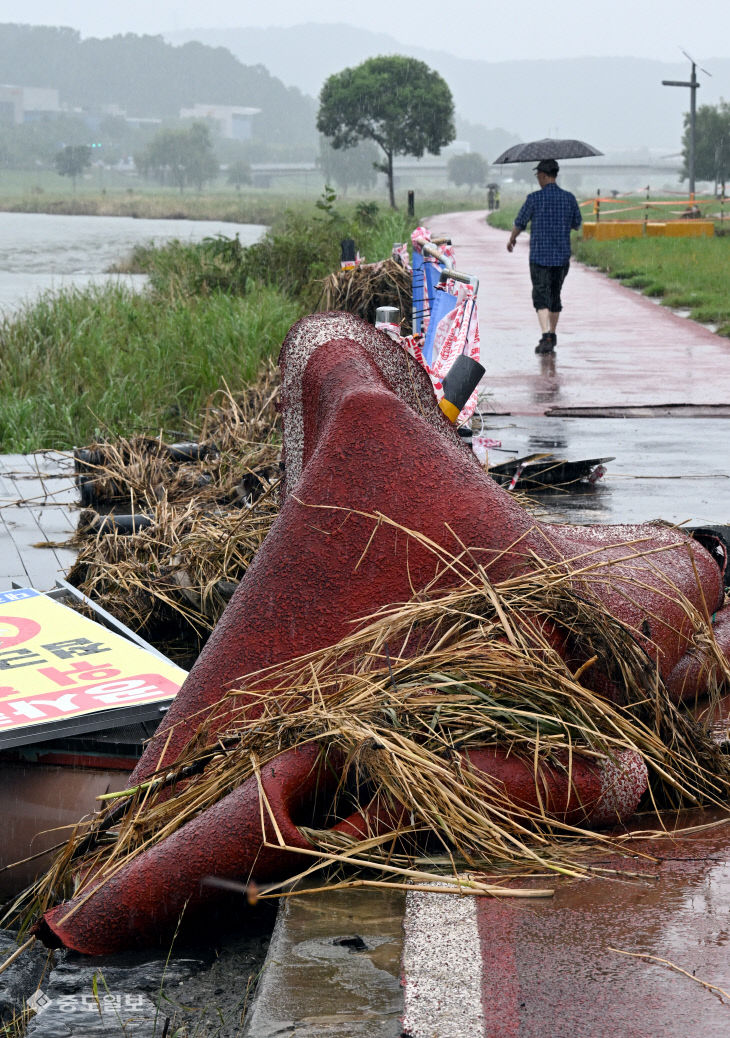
pixel 83 364
pixel 251 205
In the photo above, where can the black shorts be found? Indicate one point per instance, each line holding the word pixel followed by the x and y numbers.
pixel 546 285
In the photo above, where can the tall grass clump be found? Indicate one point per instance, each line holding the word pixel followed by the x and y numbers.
pixel 182 269
pixel 295 255
pixel 85 364
pixel 300 251
pixel 81 365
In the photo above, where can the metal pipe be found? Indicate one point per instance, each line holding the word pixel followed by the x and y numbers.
pixel 428 249
pixel 458 275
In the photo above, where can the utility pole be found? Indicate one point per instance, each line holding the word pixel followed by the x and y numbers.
pixel 693 88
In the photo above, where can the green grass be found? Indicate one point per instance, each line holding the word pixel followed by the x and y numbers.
pixel 114 194
pixel 80 365
pixel 504 217
pixel 683 273
pixel 295 255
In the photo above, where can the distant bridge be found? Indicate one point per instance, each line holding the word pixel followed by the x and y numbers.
pixel 672 169
pixel 437 168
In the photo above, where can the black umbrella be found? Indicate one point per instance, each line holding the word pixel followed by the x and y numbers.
pixel 548 148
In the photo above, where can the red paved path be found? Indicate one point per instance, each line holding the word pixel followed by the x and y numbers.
pixel 563 971
pixel 614 345
pixel 547 967
pixel 584 964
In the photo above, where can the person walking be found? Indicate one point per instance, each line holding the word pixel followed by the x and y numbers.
pixel 552 214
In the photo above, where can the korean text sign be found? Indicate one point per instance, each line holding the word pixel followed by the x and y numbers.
pixel 56 664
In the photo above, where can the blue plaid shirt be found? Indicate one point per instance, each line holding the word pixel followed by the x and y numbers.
pixel 552 213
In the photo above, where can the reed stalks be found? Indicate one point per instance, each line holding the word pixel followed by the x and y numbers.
pixel 108 362
pixel 396 706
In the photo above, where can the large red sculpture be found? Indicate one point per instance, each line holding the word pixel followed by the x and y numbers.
pixel 363 437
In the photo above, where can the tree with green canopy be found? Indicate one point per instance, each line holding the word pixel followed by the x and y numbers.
pixel 72 160
pixel 712 144
pixel 239 173
pixel 398 102
pixel 349 167
pixel 470 168
pixel 180 157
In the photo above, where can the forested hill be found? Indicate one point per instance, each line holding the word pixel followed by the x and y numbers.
pixel 148 77
pixel 616 103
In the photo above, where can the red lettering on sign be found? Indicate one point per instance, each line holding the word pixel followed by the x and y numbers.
pixel 23 630
pixel 79 672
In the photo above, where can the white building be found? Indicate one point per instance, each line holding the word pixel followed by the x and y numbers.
pixel 234 122
pixel 20 104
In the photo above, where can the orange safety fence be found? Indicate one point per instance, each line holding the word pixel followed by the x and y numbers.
pixel 597 200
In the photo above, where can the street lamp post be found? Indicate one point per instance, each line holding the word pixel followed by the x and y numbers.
pixel 693 88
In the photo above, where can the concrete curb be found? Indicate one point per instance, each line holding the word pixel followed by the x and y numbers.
pixel 332 970
pixel 442 967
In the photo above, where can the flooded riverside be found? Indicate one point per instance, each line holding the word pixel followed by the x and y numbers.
pixel 206 988
pixel 662 906
pixel 40 252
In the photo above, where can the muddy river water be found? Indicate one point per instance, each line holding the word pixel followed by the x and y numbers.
pixel 40 252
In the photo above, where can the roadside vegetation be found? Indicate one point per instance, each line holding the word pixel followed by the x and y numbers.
pixel 84 365
pixel 681 273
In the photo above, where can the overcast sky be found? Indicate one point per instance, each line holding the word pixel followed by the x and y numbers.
pixel 496 30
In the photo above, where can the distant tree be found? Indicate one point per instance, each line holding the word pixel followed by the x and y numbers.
pixel 180 157
pixel 400 103
pixel 72 160
pixel 35 144
pixel 350 167
pixel 239 173
pixel 160 160
pixel 470 169
pixel 712 144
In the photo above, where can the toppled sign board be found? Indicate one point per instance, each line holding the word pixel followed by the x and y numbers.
pixel 63 674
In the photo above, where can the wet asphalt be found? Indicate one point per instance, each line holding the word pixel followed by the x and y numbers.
pixel 629 380
pixel 633 381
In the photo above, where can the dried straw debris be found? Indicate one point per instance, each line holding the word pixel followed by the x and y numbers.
pixel 361 290
pixel 237 448
pixel 197 513
pixel 394 705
